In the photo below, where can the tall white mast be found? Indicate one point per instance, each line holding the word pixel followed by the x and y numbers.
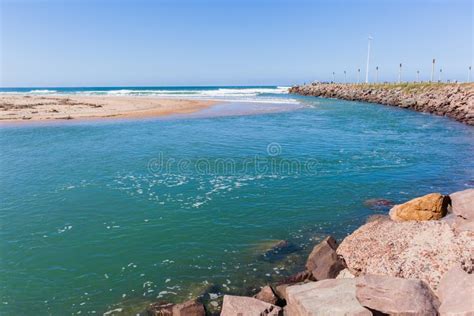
pixel 400 74
pixel 368 61
pixel 432 70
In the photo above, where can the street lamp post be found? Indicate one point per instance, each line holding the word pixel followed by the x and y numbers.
pixel 469 74
pixel 358 75
pixel 417 76
pixel 368 61
pixel 400 74
pixel 377 74
pixel 440 73
pixel 432 70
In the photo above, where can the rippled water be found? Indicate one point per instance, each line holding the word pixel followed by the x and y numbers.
pixel 101 215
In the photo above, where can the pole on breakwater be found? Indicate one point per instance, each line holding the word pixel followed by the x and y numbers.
pixel 358 75
pixel 400 74
pixel 469 74
pixel 333 77
pixel 432 70
pixel 440 73
pixel 417 76
pixel 377 74
pixel 368 61
pixel 345 77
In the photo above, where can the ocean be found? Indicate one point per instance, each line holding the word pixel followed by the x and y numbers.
pixel 259 94
pixel 107 215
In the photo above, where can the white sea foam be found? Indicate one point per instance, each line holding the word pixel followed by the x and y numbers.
pixel 192 92
pixel 35 91
pixel 250 94
pixel 42 91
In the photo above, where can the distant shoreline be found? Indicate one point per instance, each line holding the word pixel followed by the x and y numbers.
pixel 452 100
pixel 21 108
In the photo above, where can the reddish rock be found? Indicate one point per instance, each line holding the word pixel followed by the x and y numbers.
pixel 461 218
pixel 298 277
pixel 189 308
pixel 323 261
pixel 456 293
pixel 378 204
pixel 413 250
pixel 280 291
pixel 242 305
pixel 326 297
pixel 160 309
pixel 396 296
pixel 267 295
pixel 463 204
pixel 432 206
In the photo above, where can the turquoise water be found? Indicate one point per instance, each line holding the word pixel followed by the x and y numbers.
pixel 102 215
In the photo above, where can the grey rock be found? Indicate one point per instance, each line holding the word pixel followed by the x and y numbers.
pixel 396 296
pixel 242 305
pixel 456 293
pixel 326 297
pixel 462 203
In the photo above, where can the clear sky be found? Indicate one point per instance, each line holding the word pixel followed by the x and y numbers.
pixel 247 42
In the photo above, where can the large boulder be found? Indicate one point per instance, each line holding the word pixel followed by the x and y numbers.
pixel 456 293
pixel 463 204
pixel 242 305
pixel 429 207
pixel 418 250
pixel 323 261
pixel 267 295
pixel 396 296
pixel 326 297
pixel 461 217
pixel 189 308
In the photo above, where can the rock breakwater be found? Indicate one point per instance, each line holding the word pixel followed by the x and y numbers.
pixel 452 100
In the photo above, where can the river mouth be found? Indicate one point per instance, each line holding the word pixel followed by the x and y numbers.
pixel 115 215
pixel 239 108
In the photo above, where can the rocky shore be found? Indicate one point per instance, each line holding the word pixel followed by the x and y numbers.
pixel 452 100
pixel 418 260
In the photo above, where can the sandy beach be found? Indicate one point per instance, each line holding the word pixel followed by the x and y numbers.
pixel 16 108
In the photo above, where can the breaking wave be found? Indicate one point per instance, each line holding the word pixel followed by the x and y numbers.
pixel 275 94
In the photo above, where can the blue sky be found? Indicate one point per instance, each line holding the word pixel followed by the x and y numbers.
pixel 176 42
